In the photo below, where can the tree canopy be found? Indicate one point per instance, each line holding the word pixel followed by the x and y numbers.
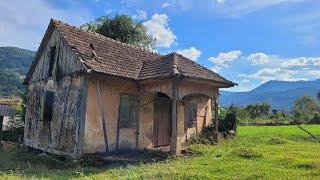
pixel 305 108
pixel 122 28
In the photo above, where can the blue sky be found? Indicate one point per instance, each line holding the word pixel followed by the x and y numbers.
pixel 247 41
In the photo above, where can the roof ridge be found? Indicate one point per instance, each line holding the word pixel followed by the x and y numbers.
pixel 200 66
pixel 105 37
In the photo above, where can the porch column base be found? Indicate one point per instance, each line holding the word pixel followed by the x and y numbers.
pixel 175 146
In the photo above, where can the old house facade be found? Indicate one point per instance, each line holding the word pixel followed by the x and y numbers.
pixel 91 94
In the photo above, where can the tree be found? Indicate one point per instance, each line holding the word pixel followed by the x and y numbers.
pixel 318 97
pixel 122 28
pixel 305 108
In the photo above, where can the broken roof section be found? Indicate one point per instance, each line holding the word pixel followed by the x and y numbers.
pixel 104 55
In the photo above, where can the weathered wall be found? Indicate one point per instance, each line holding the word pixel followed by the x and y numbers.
pixel 66 60
pixel 204 116
pixel 110 91
pixel 94 138
pixel 63 135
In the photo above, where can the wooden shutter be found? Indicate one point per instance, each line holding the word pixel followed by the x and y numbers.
pixel 133 111
pixel 48 106
pixel 51 62
pixel 41 107
pixel 191 114
pixel 124 111
pixel 128 111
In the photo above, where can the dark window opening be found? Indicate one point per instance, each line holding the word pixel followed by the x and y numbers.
pixel 46 106
pixel 51 62
pixel 128 111
pixel 191 114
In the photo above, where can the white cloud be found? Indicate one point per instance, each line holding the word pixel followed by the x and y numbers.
pixel 267 74
pixel 245 81
pixel 141 15
pixel 223 59
pixel 236 8
pixel 302 62
pixel 158 28
pixel 23 23
pixel 191 53
pixel 164 5
pixel 220 1
pixel 260 58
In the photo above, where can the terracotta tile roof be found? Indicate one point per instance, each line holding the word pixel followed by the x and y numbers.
pixel 107 56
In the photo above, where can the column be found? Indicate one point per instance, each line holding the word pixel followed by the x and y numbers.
pixel 175 144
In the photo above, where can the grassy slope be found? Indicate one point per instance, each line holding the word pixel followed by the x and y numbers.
pixel 258 152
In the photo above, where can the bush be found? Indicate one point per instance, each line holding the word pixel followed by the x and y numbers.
pixel 228 123
pixel 276 140
pixel 247 153
pixel 227 126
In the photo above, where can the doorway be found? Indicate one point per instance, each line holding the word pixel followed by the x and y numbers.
pixel 162 127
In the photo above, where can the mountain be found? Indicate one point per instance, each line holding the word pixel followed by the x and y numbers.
pixel 280 94
pixel 14 65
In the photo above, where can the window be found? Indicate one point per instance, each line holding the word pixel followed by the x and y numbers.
pixel 191 114
pixel 51 62
pixel 46 106
pixel 128 111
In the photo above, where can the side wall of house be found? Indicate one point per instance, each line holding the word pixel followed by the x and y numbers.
pixel 199 94
pixel 103 111
pixel 64 132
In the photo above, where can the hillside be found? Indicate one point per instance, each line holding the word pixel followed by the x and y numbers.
pixel 280 94
pixel 14 64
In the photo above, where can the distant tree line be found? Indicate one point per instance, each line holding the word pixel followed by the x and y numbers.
pixel 306 109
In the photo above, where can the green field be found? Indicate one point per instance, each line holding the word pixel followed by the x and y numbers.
pixel 283 152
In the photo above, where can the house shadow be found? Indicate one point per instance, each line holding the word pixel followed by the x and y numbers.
pixel 36 164
pixel 125 158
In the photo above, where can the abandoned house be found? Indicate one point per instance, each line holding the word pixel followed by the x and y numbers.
pixel 91 94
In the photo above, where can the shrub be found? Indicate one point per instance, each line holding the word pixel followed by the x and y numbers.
pixel 276 140
pixel 247 153
pixel 228 123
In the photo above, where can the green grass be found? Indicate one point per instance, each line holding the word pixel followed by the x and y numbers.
pixel 282 152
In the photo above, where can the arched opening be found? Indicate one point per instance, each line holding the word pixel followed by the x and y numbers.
pixel 162 127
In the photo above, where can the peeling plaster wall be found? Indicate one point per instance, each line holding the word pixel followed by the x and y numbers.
pixel 111 89
pixel 204 116
pixel 61 135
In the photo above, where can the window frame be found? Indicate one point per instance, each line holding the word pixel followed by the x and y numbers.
pixel 53 50
pixel 132 109
pixel 188 121
pixel 46 106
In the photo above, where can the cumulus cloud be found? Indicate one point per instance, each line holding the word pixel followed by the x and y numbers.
pixel 23 23
pixel 302 62
pixel 141 15
pixel 267 74
pixel 158 28
pixel 223 59
pixel 260 58
pixel 191 53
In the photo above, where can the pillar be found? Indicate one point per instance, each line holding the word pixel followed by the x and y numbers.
pixel 175 143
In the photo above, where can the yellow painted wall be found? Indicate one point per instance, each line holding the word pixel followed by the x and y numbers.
pixel 111 89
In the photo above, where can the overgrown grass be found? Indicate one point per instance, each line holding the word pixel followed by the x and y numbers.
pixel 279 152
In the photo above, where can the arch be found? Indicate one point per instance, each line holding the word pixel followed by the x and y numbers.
pixel 191 96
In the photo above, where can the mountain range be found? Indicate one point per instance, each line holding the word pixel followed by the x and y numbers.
pixel 279 94
pixel 14 64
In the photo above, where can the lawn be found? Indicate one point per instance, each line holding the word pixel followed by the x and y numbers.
pixel 283 152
